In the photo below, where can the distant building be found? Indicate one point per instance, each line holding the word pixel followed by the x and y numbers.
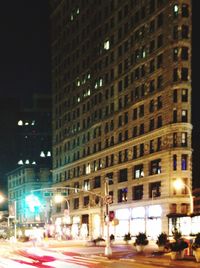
pixel 121 86
pixel 33 136
pixel 21 182
pixel 33 160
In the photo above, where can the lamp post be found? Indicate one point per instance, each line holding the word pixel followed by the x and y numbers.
pixel 59 198
pixel 179 184
pixel 108 250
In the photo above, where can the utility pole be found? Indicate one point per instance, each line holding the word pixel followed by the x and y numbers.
pixel 108 250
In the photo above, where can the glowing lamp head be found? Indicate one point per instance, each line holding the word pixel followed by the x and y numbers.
pixel 1 199
pixel 178 184
pixel 58 198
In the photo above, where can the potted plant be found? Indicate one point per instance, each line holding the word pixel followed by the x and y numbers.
pixel 196 247
pixel 127 237
pixel 162 242
pixel 178 246
pixel 140 242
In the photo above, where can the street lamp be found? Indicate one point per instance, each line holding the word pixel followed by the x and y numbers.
pixel 59 199
pixel 179 184
pixel 108 250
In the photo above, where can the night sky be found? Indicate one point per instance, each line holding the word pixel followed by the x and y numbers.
pixel 25 56
pixel 24 47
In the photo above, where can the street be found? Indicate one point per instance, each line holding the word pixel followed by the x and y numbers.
pixel 59 254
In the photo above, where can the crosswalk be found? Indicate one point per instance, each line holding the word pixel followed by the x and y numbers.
pixel 36 257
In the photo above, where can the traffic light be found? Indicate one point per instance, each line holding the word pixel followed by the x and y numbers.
pixel 111 215
pixel 33 202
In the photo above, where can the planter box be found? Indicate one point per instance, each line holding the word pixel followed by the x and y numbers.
pixel 197 254
pixel 177 255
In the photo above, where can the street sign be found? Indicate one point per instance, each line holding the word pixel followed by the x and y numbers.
pixel 48 194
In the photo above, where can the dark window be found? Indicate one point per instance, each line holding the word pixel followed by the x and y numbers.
pixel 159 82
pixel 126 135
pixel 175 96
pixel 160 20
pixel 175 75
pixel 152 46
pixel 141 110
pixel 159 60
pixel 135 114
pixel 159 122
pixel 174 116
pixel 120 121
pixel 138 192
pixel 86 201
pixel 138 171
pixel 151 106
pixel 126 117
pixel 155 167
pixel 97 182
pixel 174 162
pixel 134 131
pixel 141 129
pixel 120 137
pixel 134 152
pixel 185 31
pixel 123 175
pixel 154 189
pixel 152 66
pixel 185 10
pixel 159 41
pixel 120 157
pixel 184 74
pixel 122 195
pixel 76 203
pixel 159 143
pixel 184 53
pixel 151 124
pixel 151 86
pixel 159 102
pixel 175 32
pixel 141 149
pixel 120 86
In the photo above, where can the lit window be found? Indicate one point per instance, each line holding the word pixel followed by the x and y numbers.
pixel 20 123
pixel 48 153
pixel 78 99
pixel 78 83
pixel 33 163
pixel 72 17
pixel 77 11
pixel 33 123
pixel 100 82
pixel 26 123
pixel 27 162
pixel 88 76
pixel 88 93
pixel 175 10
pixel 20 162
pixel 106 45
pixel 42 154
pixel 88 169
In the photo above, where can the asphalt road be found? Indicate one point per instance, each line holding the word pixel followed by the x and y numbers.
pixel 61 255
